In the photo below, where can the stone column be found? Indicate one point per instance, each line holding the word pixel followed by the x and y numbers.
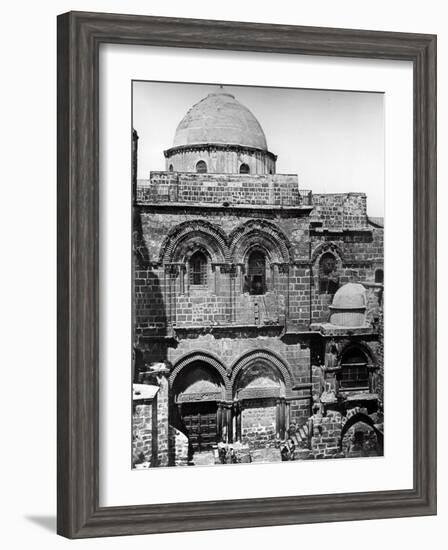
pixel 238 421
pixel 282 418
pixel 287 420
pixel 228 421
pixel 171 274
pixel 277 418
pixel 162 421
pixel 283 269
pixel 182 278
pixel 219 421
pixel 274 277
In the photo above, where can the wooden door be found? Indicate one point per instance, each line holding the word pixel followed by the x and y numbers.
pixel 200 422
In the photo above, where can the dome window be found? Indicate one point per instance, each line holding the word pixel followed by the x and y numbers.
pixel 198 269
pixel 256 281
pixel 201 167
pixel 328 277
pixel 171 169
pixel 244 169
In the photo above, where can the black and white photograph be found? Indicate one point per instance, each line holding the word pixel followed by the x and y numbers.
pixel 258 218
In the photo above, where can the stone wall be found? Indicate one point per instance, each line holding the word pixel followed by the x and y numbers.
pixel 150 428
pixel 178 445
pixel 142 431
pixel 174 319
pixel 230 347
pixel 340 210
pixel 150 304
pixel 275 189
pixel 326 438
pixel 162 422
pixel 258 424
pixel 163 299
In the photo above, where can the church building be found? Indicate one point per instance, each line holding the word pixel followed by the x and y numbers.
pixel 257 305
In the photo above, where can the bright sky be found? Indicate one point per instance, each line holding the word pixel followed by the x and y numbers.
pixel 333 140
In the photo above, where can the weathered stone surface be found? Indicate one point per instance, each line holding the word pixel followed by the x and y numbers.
pixel 266 455
pixel 206 458
pixel 215 325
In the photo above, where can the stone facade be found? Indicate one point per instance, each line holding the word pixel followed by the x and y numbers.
pixel 242 283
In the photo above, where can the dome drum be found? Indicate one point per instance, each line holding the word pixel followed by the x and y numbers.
pixel 220 159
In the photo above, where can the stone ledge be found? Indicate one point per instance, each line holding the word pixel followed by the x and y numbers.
pixel 327 329
pixel 208 206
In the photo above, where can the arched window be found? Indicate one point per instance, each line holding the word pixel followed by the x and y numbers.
pixel 171 168
pixel 198 269
pixel 201 167
pixel 328 276
pixel 354 373
pixel 244 169
pixel 379 276
pixel 256 273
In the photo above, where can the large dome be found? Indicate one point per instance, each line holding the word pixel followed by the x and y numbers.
pixel 220 119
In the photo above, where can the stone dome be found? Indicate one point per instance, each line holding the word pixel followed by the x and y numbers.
pixel 349 306
pixel 350 296
pixel 219 118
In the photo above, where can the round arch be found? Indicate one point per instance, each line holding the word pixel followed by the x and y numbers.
pixel 361 418
pixel 358 346
pixel 323 248
pixel 354 419
pixel 263 234
pixel 190 235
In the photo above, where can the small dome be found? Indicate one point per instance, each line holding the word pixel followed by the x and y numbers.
pixel 350 296
pixel 220 119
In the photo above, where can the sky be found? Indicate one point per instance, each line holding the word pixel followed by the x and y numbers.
pixel 333 140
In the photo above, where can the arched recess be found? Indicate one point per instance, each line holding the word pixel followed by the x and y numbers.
pixel 260 383
pixel 260 234
pixel 327 247
pixel 360 437
pixel 266 357
pixel 327 261
pixel 205 357
pixel 362 347
pixel 259 379
pixel 354 373
pixel 199 387
pixel 187 237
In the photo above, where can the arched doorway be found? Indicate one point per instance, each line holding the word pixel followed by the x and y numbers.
pixel 359 437
pixel 260 411
pixel 198 392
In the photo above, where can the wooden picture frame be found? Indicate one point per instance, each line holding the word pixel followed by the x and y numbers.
pixel 79 37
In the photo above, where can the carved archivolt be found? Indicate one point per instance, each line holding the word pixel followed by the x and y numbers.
pixel 263 234
pixel 189 236
pixel 196 234
pixel 267 357
pixel 206 358
pixel 326 247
